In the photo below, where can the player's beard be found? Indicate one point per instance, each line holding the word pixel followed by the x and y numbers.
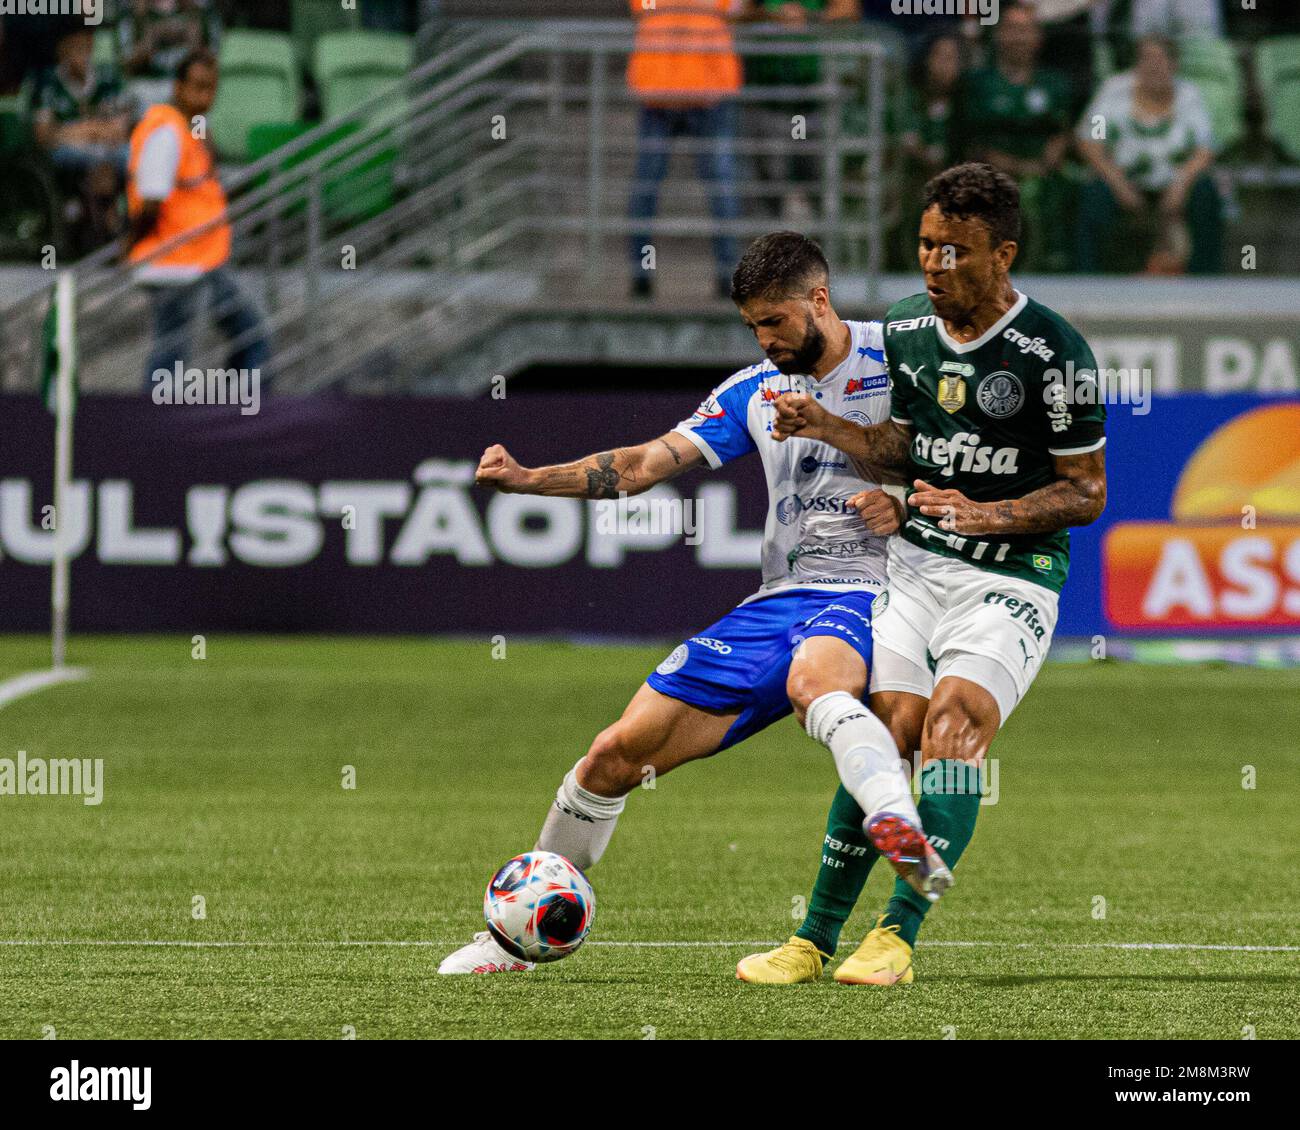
pixel 805 358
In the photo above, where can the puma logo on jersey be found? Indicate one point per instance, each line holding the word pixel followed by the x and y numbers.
pixel 913 373
pixel 965 453
pixel 1020 610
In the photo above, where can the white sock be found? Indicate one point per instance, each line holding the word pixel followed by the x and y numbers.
pixel 580 823
pixel 865 754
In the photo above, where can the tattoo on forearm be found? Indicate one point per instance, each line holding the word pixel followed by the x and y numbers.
pixel 1046 510
pixel 602 482
pixel 881 447
pixel 677 458
pixel 560 480
pixel 892 449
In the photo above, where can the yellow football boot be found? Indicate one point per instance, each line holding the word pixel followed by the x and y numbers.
pixel 882 959
pixel 791 964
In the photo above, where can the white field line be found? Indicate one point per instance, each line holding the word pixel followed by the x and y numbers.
pixel 32 681
pixel 342 944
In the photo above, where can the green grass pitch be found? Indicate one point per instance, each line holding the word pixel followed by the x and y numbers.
pixel 223 779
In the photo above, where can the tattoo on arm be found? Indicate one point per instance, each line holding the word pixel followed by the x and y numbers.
pixel 677 458
pixel 1066 502
pixel 624 470
pixel 605 480
pixel 560 481
pixel 876 448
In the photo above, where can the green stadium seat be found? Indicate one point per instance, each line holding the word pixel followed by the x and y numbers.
pixel 1212 65
pixel 15 125
pixel 361 191
pixel 259 84
pixel 310 19
pixel 351 66
pixel 105 51
pixel 1277 64
pixel 1103 60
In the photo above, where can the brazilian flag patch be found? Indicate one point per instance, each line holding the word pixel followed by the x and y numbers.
pixel 1042 563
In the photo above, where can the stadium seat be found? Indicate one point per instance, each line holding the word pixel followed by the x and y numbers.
pixel 1212 65
pixel 259 84
pixel 364 189
pixel 351 66
pixel 29 200
pixel 1103 60
pixel 105 51
pixel 15 125
pixel 310 19
pixel 1277 63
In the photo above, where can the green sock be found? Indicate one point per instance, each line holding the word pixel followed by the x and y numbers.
pixel 949 805
pixel 847 856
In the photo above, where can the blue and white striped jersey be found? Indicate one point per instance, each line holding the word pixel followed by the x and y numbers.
pixel 812 539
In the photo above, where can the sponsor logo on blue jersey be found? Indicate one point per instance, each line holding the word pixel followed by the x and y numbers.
pixel 791 506
pixel 712 644
pixel 855 388
pixel 810 463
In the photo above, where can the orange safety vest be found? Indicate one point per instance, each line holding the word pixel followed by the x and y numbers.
pixel 196 200
pixel 684 53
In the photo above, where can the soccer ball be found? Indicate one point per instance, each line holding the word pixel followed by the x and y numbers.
pixel 539 907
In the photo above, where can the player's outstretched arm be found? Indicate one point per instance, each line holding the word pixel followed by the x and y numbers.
pixel 625 470
pixel 875 447
pixel 1076 498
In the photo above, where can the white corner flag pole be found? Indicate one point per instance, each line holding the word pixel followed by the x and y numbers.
pixel 65 297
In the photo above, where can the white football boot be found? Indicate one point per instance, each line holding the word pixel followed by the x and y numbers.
pixel 483 955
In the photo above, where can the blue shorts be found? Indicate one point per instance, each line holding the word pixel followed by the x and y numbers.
pixel 741 662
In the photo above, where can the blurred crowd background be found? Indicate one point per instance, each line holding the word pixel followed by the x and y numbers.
pixel 1197 103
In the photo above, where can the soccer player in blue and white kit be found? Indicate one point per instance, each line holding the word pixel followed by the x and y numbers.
pixel 803 641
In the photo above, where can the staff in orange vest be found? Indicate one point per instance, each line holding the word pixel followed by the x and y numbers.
pixel 684 71
pixel 179 238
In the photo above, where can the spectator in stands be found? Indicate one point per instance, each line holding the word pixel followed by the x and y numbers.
pixel 1147 138
pixel 28 45
pixel 1067 44
pixel 776 117
pixel 1176 18
pixel 684 71
pixel 926 117
pixel 155 35
pixel 1015 114
pixel 81 120
pixel 180 239
pixel 1123 22
pixel 921 116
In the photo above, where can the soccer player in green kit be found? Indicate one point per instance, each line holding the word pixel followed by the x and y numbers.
pixel 997 422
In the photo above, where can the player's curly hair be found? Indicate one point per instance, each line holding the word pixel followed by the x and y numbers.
pixel 780 264
pixel 978 191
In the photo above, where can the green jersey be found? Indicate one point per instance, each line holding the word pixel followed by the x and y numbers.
pixel 999 114
pixel 988 416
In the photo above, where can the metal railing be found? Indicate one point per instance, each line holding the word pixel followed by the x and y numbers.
pixel 496 178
